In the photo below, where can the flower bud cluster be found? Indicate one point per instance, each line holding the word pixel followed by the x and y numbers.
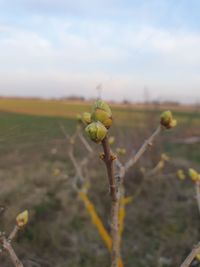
pixel 98 121
pixel 167 120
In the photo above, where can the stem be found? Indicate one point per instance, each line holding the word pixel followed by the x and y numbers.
pixel 147 143
pixel 191 256
pixel 15 260
pixel 110 169
pixel 108 159
pixel 13 233
pixel 114 233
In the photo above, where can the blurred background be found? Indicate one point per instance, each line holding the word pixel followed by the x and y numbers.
pixel 56 58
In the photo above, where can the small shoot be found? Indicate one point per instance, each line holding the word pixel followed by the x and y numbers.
pixel 22 219
pixel 167 120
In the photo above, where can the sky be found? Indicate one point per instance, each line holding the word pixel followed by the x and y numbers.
pixel 135 49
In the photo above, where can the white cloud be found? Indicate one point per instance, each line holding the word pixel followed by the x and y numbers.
pixel 124 60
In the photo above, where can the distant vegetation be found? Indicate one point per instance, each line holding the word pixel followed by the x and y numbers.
pixel 36 171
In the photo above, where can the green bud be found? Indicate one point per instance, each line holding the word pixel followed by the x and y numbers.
pixel 166 120
pixel 180 174
pixel 22 219
pixel 86 117
pixel 111 140
pixel 173 123
pixel 121 151
pixel 102 112
pixel 194 175
pixel 96 131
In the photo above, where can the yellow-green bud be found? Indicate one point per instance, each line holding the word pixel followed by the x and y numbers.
pixel 167 120
pixel 22 219
pixel 121 151
pixel 173 123
pixel 198 257
pixel 96 131
pixel 72 141
pixel 86 117
pixel 102 112
pixel 56 172
pixel 180 175
pixel 111 140
pixel 164 157
pixel 194 175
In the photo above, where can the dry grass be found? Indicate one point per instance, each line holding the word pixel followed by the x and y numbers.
pixel 60 232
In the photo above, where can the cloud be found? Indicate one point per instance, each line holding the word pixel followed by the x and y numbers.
pixel 57 56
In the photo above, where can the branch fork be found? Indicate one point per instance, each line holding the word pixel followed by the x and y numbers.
pixel 7 246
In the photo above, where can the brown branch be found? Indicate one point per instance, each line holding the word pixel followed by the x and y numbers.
pixel 115 198
pixel 191 256
pixel 108 159
pixel 8 247
pixel 13 233
pixel 115 188
pixel 143 148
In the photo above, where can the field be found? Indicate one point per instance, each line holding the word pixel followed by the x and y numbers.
pixel 162 222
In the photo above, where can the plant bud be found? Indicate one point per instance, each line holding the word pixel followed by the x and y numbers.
pixel 102 112
pixel 72 141
pixel 102 156
pixel 22 219
pixel 121 151
pixel 198 257
pixel 194 176
pixel 113 156
pixel 180 175
pixel 96 131
pixel 164 157
pixel 111 140
pixel 166 120
pixel 86 117
pixel 56 172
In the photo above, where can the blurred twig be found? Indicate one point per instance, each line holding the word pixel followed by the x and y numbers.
pixel 191 256
pixel 144 147
pixel 6 245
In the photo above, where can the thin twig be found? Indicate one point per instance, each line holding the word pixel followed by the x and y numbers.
pixel 75 164
pixel 8 247
pixel 191 256
pixel 85 143
pixel 13 233
pixel 71 141
pixel 143 148
pixel 64 132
